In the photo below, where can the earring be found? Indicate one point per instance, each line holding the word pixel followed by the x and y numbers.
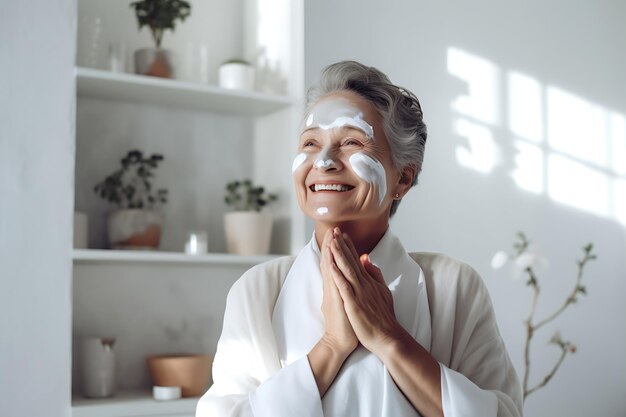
pixel 396 196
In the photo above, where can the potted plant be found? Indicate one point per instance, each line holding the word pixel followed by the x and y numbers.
pixel 236 74
pixel 248 229
pixel 136 223
pixel 159 16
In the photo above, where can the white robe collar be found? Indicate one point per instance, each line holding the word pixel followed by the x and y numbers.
pixel 363 381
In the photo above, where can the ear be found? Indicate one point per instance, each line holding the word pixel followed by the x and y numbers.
pixel 405 182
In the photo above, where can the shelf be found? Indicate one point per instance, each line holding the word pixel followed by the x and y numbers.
pixel 165 92
pixel 104 256
pixel 132 403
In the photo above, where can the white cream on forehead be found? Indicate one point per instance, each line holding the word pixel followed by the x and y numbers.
pixel 297 161
pixel 338 112
pixel 372 171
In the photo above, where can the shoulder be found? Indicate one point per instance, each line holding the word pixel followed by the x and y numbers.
pixel 262 280
pixel 445 273
pixel 454 288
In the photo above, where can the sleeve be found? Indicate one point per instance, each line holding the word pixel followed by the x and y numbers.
pixel 247 376
pixel 269 399
pixel 478 379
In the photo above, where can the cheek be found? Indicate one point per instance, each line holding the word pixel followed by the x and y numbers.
pixel 297 162
pixel 371 171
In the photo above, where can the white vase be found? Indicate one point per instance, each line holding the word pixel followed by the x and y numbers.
pixel 98 367
pixel 236 76
pixel 248 232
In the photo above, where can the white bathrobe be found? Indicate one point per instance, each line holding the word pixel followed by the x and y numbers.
pixel 261 368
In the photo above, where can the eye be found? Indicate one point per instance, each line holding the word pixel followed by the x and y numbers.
pixel 352 142
pixel 308 143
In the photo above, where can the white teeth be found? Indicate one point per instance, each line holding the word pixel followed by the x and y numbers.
pixel 331 187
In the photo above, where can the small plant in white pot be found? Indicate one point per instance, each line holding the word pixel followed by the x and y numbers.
pixel 159 16
pixel 136 223
pixel 248 229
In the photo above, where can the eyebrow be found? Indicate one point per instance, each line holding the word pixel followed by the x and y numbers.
pixel 342 128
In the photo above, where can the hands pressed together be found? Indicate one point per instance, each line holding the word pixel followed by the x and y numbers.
pixel 357 304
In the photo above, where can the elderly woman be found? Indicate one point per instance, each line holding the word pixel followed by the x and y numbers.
pixel 354 325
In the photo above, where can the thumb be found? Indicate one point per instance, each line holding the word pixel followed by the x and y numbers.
pixel 372 269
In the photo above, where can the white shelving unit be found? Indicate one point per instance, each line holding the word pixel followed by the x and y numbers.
pixel 113 289
pixel 173 93
pixel 104 256
pixel 131 404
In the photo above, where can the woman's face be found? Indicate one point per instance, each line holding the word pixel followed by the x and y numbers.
pixel 343 170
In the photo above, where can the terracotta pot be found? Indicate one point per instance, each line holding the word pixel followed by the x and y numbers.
pixel 192 373
pixel 154 61
pixel 248 232
pixel 135 229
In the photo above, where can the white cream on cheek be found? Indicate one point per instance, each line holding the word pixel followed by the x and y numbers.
pixel 372 171
pixel 297 161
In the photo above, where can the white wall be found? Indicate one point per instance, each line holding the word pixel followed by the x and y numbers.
pixel 572 56
pixel 36 195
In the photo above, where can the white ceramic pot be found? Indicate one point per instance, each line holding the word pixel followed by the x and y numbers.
pixel 135 229
pixel 236 76
pixel 248 232
pixel 98 367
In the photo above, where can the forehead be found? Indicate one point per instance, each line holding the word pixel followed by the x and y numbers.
pixel 342 110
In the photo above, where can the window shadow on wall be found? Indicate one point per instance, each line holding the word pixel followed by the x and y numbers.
pixel 549 141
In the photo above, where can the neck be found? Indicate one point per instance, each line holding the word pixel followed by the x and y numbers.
pixel 364 235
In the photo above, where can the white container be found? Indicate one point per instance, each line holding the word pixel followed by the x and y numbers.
pixel 166 393
pixel 236 76
pixel 197 243
pixel 98 367
pixel 248 232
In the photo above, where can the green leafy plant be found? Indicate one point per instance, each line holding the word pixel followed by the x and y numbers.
pixel 237 61
pixel 160 15
pixel 525 260
pixel 130 186
pixel 244 196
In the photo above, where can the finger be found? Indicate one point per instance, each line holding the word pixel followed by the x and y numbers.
pixel 350 245
pixel 343 265
pixel 324 251
pixel 372 269
pixel 346 291
pixel 351 258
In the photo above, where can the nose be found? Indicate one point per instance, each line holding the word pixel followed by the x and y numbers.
pixel 325 161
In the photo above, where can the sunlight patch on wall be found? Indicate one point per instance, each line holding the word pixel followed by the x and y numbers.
pixel 577 127
pixel 525 115
pixel 564 146
pixel 578 185
pixel 481 152
pixel 481 100
pixel 618 143
pixel 528 171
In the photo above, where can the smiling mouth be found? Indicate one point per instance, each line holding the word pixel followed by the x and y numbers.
pixel 330 187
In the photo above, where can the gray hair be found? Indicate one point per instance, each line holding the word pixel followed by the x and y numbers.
pixel 399 109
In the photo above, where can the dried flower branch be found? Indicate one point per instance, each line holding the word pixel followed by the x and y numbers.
pixel 525 259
